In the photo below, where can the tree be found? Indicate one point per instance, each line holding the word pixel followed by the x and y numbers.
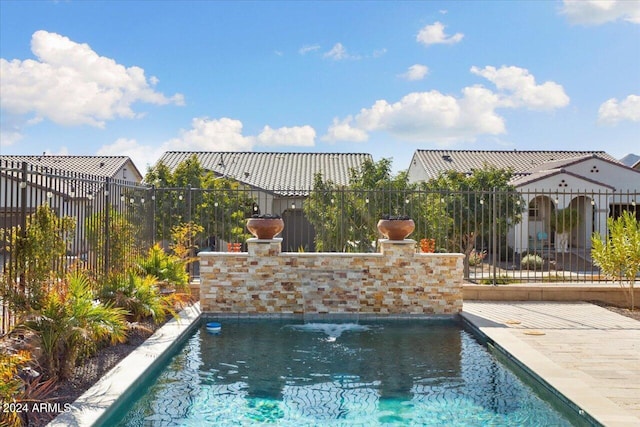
pixel 474 204
pixel 38 250
pixel 191 193
pixel 619 255
pixel 345 217
pixel 114 246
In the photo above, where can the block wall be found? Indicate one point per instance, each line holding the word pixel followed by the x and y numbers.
pixel 396 281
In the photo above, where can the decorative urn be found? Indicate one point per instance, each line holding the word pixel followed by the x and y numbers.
pixel 265 226
pixel 396 227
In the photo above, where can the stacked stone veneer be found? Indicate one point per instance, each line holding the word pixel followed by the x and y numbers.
pixel 396 281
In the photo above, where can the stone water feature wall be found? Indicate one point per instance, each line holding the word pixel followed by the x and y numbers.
pixel 396 281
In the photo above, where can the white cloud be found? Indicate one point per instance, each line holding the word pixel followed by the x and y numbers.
pixel 438 117
pixel 612 111
pixel 379 52
pixel 416 72
pixel 434 34
pixel 341 130
pixel 141 155
pixel 597 12
pixel 9 137
pixel 521 88
pixel 70 84
pixel 310 48
pixel 337 52
pixel 206 134
pixel 297 136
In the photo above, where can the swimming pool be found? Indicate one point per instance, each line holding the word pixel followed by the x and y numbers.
pixel 370 373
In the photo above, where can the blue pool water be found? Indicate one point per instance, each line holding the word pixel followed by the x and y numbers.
pixel 374 373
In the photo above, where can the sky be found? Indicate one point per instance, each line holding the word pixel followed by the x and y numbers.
pixel 139 78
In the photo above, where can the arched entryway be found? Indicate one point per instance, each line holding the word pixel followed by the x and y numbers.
pixel 541 209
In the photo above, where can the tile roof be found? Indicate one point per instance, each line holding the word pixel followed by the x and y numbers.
pixel 289 174
pixel 103 166
pixel 522 162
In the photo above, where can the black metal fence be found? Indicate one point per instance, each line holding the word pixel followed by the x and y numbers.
pixel 519 236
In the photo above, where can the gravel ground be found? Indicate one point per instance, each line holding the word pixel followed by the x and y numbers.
pixel 90 371
pixel 635 314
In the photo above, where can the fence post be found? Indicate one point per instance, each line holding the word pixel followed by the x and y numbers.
pixel 494 234
pixel 107 218
pixel 153 215
pixel 191 249
pixel 23 221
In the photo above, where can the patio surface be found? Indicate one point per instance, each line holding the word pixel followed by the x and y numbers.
pixel 588 353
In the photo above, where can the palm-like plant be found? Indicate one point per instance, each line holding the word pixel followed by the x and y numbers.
pixel 166 268
pixel 139 296
pixel 71 322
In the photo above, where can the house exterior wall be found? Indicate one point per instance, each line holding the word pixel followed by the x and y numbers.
pixel 128 172
pixel 621 178
pixel 416 172
pixel 397 281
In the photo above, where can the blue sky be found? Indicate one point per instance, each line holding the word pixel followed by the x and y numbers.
pixel 139 78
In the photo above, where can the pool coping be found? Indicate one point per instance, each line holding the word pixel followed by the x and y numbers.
pixel 590 406
pixel 103 398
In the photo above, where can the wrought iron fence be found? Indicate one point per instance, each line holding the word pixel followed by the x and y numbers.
pixel 101 222
pixel 523 236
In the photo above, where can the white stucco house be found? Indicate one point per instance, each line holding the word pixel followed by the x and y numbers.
pixel 593 183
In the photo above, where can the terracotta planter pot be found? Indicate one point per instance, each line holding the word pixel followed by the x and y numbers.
pixel 396 229
pixel 265 228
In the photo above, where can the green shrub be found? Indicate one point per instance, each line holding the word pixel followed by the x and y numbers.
pixel 37 250
pixel 532 262
pixel 501 280
pixel 139 296
pixel 166 268
pixel 476 258
pixel 72 323
pixel 619 255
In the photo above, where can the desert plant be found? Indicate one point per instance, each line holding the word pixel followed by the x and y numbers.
pixel 184 236
pixel 112 238
pixel 12 385
pixel 139 296
pixel 476 258
pixel 71 321
pixel 170 269
pixel 619 255
pixel 17 390
pixel 532 262
pixel 37 250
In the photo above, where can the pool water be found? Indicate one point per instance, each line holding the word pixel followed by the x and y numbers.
pixel 373 373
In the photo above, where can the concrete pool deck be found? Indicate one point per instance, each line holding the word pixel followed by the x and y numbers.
pixel 587 353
